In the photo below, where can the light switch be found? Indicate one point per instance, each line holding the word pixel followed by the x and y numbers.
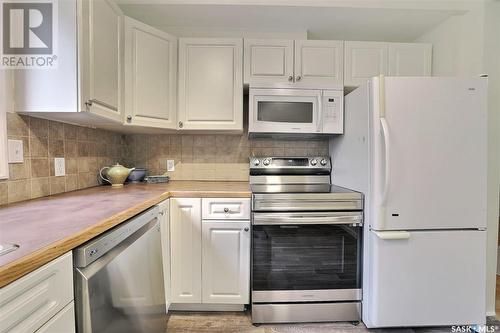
pixel 170 165
pixel 59 166
pixel 16 151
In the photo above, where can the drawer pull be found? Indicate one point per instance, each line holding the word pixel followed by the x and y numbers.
pixel 226 210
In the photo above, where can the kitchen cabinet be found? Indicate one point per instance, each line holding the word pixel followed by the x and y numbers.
pixel 86 85
pixel 62 322
pixel 225 261
pixel 150 76
pixel 300 62
pixel 164 217
pixel 210 84
pixel 185 237
pixel 319 62
pixel 268 60
pixel 38 298
pixel 410 59
pixel 364 60
pixel 210 251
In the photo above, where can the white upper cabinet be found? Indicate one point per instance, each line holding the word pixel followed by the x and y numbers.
pixel 319 62
pixel 364 60
pixel 88 75
pixel 410 59
pixel 150 76
pixel 210 84
pixel 268 60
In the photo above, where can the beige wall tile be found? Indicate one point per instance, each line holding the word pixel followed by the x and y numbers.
pixel 70 132
pixel 56 130
pixel 17 125
pixel 57 185
pixel 3 193
pixel 39 127
pixel 40 187
pixel 40 167
pixel 18 190
pixel 71 165
pixel 39 147
pixel 19 170
pixel 56 148
pixel 70 148
pixel 71 182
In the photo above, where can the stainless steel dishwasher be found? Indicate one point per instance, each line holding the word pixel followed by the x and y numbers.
pixel 119 279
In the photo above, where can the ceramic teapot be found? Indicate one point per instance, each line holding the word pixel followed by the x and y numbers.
pixel 115 175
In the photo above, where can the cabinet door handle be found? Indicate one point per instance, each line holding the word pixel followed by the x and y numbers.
pixel 226 210
pixel 246 229
pixel 298 78
pixel 290 78
pixel 181 124
pixel 129 118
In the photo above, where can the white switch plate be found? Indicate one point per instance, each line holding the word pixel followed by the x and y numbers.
pixel 16 151
pixel 59 166
pixel 170 165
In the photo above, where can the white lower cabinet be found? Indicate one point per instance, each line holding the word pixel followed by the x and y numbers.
pixel 39 299
pixel 62 322
pixel 185 238
pixel 225 261
pixel 164 217
pixel 209 259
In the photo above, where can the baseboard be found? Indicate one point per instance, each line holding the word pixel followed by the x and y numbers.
pixel 206 307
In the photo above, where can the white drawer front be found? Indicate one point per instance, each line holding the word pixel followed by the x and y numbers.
pixel 62 322
pixel 28 303
pixel 226 208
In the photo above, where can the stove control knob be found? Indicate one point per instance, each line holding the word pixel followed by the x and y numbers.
pixel 267 162
pixel 323 162
pixel 256 162
pixel 314 162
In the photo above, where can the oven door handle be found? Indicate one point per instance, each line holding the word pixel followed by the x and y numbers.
pixel 283 219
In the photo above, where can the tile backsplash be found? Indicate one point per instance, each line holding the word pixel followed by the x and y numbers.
pixel 85 151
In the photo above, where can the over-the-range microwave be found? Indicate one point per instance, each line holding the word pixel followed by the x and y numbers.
pixel 294 110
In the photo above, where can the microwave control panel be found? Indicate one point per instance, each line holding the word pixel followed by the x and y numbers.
pixel 333 111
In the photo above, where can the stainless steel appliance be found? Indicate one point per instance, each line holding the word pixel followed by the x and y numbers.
pixel 119 279
pixel 306 242
pixel 299 111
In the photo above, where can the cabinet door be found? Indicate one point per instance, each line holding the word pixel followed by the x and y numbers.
pixel 226 262
pixel 268 60
pixel 210 84
pixel 150 76
pixel 62 322
pixel 101 53
pixel 185 238
pixel 364 60
pixel 319 62
pixel 164 217
pixel 410 59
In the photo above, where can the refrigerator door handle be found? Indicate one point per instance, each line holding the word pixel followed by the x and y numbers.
pixel 387 140
pixel 392 235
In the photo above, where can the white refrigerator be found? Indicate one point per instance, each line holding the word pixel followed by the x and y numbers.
pixel 417 148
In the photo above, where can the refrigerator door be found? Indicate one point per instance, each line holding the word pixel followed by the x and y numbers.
pixel 429 153
pixel 429 278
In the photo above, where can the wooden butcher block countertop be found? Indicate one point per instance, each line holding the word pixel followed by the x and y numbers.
pixel 48 227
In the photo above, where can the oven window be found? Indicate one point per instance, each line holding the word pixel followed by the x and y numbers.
pixel 285 112
pixel 306 257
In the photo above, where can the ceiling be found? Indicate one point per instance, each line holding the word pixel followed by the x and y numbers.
pixel 320 22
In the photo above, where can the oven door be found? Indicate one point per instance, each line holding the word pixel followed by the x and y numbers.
pixel 284 111
pixel 306 257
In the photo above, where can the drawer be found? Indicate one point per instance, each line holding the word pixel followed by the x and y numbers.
pixel 62 322
pixel 226 208
pixel 29 302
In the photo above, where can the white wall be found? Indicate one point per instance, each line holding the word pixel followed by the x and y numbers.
pixel 467 45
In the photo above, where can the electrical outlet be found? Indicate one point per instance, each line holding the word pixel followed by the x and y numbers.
pixel 170 165
pixel 59 166
pixel 16 151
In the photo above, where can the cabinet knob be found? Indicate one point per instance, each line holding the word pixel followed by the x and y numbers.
pixel 129 118
pixel 246 229
pixel 180 124
pixel 226 210
pixel 298 78
pixel 88 103
pixel 290 78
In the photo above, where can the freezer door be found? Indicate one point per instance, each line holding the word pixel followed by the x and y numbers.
pixel 426 278
pixel 429 153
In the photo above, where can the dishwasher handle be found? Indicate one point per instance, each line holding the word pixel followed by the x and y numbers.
pixel 99 246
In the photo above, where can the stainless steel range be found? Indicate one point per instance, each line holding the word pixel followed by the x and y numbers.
pixel 306 242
